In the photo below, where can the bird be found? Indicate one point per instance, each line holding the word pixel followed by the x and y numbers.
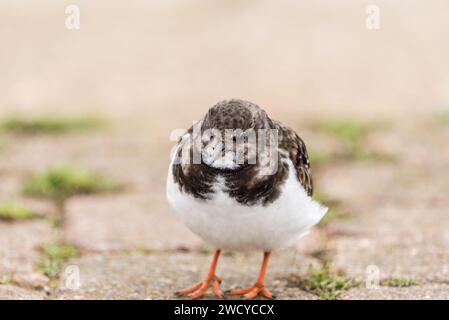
pixel 241 181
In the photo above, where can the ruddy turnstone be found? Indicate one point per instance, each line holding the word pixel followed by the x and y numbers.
pixel 242 181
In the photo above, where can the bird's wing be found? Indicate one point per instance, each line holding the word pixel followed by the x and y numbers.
pixel 291 143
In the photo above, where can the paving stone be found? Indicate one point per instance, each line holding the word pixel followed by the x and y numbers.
pixel 126 221
pixel 413 247
pixel 10 292
pixel 312 243
pixel 32 280
pixel 422 292
pixel 18 244
pixel 158 276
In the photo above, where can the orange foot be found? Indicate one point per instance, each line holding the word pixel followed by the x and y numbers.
pixel 252 292
pixel 199 290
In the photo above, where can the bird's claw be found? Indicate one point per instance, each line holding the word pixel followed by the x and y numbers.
pixel 200 289
pixel 252 292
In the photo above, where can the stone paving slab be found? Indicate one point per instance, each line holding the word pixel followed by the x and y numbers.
pixel 122 154
pixel 10 292
pixel 126 221
pixel 355 181
pixel 18 245
pixel 415 246
pixel 422 292
pixel 398 210
pixel 158 276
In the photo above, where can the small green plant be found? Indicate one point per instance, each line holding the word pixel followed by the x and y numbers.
pixel 53 257
pixel 353 134
pixel 398 282
pixel 50 124
pixel 206 249
pixel 4 279
pixel 10 211
pixel 140 250
pixel 325 283
pixel 54 221
pixel 61 183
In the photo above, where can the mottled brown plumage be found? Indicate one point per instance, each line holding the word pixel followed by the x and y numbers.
pixel 290 142
pixel 245 184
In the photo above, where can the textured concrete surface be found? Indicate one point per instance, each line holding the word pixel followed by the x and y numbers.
pixel 125 222
pixel 19 242
pixel 8 292
pixel 424 292
pixel 158 276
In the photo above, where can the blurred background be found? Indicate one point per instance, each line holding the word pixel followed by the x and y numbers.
pixel 87 120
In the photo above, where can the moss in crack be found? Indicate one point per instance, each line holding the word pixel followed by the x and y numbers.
pixel 60 183
pixel 13 211
pixel 5 279
pixel 398 282
pixel 325 283
pixel 50 124
pixel 353 135
pixel 53 257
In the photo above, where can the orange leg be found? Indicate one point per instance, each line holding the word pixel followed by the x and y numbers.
pixel 258 288
pixel 211 281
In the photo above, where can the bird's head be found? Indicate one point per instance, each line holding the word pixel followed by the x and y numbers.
pixel 229 134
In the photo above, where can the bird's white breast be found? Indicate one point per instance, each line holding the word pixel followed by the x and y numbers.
pixel 227 224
